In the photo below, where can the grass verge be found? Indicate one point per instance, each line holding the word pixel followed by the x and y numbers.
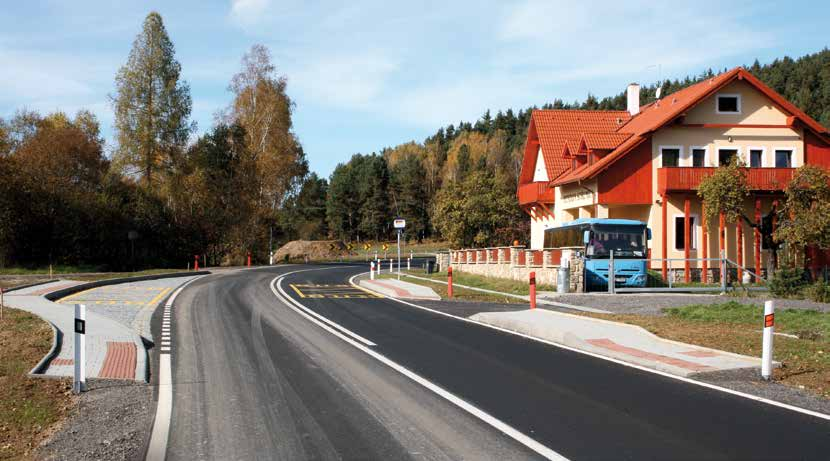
pixel 29 407
pixel 736 327
pixel 8 280
pixel 473 280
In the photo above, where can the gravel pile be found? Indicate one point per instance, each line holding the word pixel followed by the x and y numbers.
pixel 113 422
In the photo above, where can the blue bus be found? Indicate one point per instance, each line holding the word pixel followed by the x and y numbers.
pixel 595 238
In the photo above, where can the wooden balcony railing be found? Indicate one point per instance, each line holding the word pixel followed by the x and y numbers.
pixel 535 192
pixel 688 178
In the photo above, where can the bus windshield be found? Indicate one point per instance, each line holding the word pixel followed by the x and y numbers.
pixel 626 241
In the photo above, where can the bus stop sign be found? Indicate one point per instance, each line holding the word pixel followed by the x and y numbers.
pixel 399 223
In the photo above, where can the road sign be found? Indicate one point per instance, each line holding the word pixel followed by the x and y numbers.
pixel 350 247
pixel 385 246
pixel 367 246
pixel 399 223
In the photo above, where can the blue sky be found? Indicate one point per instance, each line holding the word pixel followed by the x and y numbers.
pixel 370 74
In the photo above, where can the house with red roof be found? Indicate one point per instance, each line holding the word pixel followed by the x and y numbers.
pixel 646 163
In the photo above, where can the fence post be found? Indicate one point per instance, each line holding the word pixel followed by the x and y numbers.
pixel 79 384
pixel 533 290
pixel 449 282
pixel 769 329
pixel 611 274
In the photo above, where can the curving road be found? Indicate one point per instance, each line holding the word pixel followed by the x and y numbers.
pixel 257 377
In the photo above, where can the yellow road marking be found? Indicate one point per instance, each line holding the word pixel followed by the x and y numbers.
pixel 75 295
pixel 159 296
pixel 297 290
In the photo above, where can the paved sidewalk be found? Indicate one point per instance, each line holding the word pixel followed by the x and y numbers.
pixel 625 342
pixel 399 289
pixel 116 318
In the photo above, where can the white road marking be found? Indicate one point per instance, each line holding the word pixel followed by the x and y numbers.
pixel 157 448
pixel 610 359
pixel 452 398
pixel 317 318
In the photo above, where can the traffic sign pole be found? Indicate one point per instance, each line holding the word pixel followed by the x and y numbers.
pixel 399 254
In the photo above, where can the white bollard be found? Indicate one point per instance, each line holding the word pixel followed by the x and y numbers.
pixel 372 270
pixel 377 266
pixel 769 329
pixel 80 349
pixel 391 268
pixel 408 264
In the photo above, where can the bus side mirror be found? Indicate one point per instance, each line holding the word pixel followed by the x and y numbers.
pixel 648 233
pixel 586 237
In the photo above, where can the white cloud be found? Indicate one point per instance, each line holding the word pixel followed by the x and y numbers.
pixel 246 12
pixel 344 80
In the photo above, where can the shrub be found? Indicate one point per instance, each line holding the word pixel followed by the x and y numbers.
pixel 787 281
pixel 819 292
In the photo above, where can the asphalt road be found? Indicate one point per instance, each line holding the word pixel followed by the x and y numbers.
pixel 252 378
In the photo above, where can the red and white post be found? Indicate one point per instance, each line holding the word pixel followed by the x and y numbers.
pixel 372 270
pixel 449 282
pixel 196 263
pixel 533 290
pixel 769 330
pixel 249 259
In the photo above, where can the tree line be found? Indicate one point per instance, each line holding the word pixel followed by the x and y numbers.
pixel 460 183
pixel 163 195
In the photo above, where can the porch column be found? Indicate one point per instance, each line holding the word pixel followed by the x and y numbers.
pixel 722 243
pixel 686 240
pixel 704 225
pixel 757 237
pixel 739 228
pixel 665 242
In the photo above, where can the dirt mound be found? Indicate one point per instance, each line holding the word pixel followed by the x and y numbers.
pixel 313 249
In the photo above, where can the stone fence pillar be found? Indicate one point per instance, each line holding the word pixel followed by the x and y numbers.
pixel 514 256
pixel 500 255
pixel 577 273
pixel 546 259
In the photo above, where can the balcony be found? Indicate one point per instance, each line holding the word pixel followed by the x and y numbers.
pixel 535 192
pixel 676 179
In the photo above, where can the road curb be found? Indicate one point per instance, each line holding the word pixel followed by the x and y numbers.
pixel 62 293
pixel 29 285
pixel 37 370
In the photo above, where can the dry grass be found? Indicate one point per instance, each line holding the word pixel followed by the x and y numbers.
pixel 805 361
pixel 29 407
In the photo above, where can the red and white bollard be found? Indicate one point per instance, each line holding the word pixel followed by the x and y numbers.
pixel 372 270
pixel 449 282
pixel 196 263
pixel 533 290
pixel 769 330
pixel 249 259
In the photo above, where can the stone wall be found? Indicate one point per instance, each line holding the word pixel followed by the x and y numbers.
pixel 515 263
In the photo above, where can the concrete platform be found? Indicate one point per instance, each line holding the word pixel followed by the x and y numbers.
pixel 399 289
pixel 628 343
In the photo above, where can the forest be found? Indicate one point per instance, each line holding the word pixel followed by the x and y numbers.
pixel 165 194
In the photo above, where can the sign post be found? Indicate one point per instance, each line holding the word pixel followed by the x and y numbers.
pixel 400 224
pixel 80 349
pixel 769 330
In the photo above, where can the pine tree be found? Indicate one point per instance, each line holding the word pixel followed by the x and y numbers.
pixel 152 105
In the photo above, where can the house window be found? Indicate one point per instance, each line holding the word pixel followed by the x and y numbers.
pixel 729 104
pixel 756 158
pixel 783 158
pixel 680 233
pixel 670 156
pixel 698 157
pixel 725 156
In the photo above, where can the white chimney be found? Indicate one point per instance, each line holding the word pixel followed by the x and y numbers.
pixel 633 94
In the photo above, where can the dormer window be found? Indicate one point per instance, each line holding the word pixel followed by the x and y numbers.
pixel 729 104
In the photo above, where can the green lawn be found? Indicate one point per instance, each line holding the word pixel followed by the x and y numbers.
pixel 490 283
pixel 807 323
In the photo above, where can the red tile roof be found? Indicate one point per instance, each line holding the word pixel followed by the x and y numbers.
pixel 555 128
pixel 603 140
pixel 654 116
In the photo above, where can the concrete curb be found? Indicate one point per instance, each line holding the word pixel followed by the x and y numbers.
pixel 37 370
pixel 30 285
pixel 56 295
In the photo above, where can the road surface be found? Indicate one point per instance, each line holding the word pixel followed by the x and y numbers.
pixel 255 378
